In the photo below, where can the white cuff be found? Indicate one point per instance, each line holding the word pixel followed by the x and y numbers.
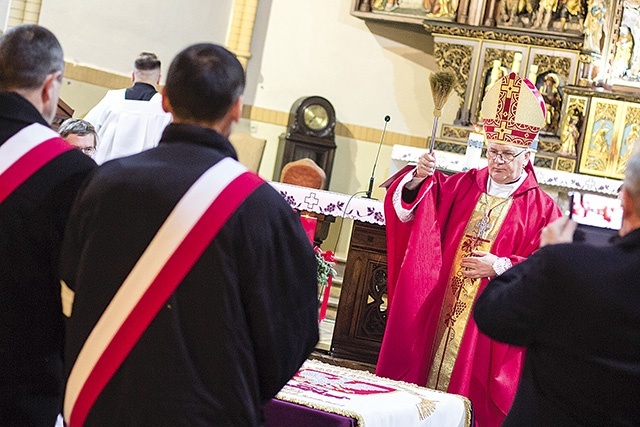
pixel 501 265
pixel 406 215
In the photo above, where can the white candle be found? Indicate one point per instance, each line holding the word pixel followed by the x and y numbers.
pixel 517 60
pixel 474 150
pixel 533 73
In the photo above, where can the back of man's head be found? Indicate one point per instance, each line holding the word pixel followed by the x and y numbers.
pixel 632 181
pixel 146 61
pixel 203 83
pixel 146 68
pixel 28 54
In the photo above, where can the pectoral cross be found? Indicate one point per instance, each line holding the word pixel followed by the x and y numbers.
pixel 484 225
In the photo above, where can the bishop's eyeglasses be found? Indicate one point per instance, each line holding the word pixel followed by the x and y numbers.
pixel 505 157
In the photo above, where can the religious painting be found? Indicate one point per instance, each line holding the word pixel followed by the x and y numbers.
pixel 430 9
pixel 572 123
pixel 630 137
pixel 599 143
pixel 550 85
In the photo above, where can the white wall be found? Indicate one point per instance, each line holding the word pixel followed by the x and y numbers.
pixel 366 70
pixel 110 34
pixel 4 14
pixel 300 48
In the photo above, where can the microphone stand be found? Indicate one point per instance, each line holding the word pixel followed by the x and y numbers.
pixel 373 172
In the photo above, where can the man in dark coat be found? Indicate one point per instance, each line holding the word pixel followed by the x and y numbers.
pixel 243 315
pixel 575 308
pixel 39 176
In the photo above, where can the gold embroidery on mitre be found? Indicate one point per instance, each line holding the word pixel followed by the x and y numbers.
pixel 479 234
pixel 513 112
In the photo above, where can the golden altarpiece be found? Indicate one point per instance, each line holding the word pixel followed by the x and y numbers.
pixel 583 55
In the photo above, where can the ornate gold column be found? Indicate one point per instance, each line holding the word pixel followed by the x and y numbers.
pixel 241 29
pixel 24 12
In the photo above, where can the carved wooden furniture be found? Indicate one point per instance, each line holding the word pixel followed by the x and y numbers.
pixel 63 113
pixel 361 316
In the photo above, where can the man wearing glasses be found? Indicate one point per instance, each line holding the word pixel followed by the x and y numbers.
pixel 81 134
pixel 447 236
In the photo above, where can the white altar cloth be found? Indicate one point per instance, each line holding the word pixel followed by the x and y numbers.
pixel 332 204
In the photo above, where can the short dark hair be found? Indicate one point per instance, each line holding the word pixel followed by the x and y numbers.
pixel 28 54
pixel 78 127
pixel 146 61
pixel 203 82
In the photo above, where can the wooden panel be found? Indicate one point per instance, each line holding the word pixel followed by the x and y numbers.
pixel 63 113
pixel 361 316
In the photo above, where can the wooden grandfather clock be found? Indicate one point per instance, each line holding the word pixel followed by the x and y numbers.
pixel 310 133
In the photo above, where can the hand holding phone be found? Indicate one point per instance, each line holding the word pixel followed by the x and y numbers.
pixel 599 218
pixel 559 231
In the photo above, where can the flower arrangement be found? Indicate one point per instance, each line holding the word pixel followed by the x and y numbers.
pixel 326 261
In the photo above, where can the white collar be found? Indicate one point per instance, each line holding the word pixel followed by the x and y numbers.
pixel 504 190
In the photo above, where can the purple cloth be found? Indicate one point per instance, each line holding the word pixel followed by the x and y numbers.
pixel 278 413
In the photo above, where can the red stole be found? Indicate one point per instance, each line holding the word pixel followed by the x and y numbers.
pixel 25 153
pixel 176 247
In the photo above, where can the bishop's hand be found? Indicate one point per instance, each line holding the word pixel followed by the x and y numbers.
pixel 426 166
pixel 478 266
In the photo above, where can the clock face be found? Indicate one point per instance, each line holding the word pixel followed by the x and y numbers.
pixel 316 117
pixel 313 117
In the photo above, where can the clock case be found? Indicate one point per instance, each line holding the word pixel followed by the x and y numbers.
pixel 300 141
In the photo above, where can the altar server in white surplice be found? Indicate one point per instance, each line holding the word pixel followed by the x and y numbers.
pixel 131 120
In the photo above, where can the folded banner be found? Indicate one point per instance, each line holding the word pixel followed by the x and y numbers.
pixel 374 401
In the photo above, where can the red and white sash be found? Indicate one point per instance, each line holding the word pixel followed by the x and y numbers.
pixel 25 153
pixel 178 244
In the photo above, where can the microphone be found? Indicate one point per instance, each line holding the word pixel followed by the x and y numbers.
pixel 373 172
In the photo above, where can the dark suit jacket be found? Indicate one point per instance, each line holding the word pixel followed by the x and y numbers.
pixel 32 223
pixel 239 325
pixel 577 310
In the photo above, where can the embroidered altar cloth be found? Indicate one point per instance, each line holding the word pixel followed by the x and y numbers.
pixel 373 401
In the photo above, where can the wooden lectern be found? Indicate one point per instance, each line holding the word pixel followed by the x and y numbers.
pixel 64 112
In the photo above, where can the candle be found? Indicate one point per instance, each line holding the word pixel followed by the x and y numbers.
pixel 533 73
pixel 474 150
pixel 517 60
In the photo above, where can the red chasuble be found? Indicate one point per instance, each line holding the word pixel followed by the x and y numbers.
pixel 421 255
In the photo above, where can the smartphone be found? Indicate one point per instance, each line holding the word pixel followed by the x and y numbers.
pixel 599 218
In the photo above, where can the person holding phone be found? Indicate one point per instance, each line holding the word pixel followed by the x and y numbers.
pixel 574 307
